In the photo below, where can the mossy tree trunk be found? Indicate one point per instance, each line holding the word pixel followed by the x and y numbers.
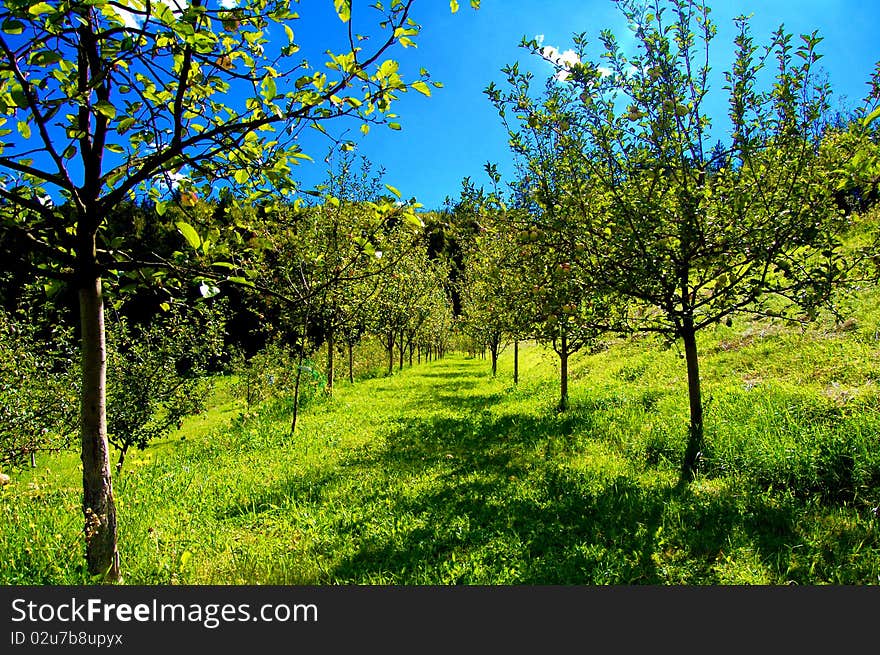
pixel 99 508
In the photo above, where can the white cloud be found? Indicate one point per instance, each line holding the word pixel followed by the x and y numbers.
pixel 133 12
pixel 565 60
pixel 129 17
pixel 178 5
pixel 174 179
pixel 168 182
pixel 229 4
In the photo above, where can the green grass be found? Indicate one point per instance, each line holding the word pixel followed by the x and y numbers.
pixel 443 475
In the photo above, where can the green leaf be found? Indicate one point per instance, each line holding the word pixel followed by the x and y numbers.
pixel 46 58
pixel 105 109
pixel 115 147
pixel 413 221
pixel 40 8
pixel 422 88
pixel 69 152
pixel 161 207
pixel 53 287
pixel 19 98
pixel 394 126
pixel 241 280
pixel 189 233
pixel 388 67
pixel 125 124
pixel 13 26
pixel 269 88
pixel 343 9
pixel 870 118
pixel 453 5
pixel 393 190
pixel 24 129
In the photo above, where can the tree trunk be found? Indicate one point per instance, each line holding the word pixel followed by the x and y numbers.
pixel 695 437
pixel 98 506
pixel 494 351
pixel 122 453
pixel 351 363
pixel 516 361
pixel 400 351
pixel 563 374
pixel 330 348
pixel 296 382
pixel 299 367
pixel 391 353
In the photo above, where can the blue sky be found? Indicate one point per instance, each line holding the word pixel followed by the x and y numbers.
pixel 456 131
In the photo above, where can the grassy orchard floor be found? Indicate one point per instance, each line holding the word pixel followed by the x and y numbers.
pixel 442 475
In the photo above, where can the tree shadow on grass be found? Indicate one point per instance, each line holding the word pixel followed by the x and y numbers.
pixel 486 498
pixel 466 404
pixel 458 395
pixel 308 488
pixel 503 507
pixel 450 375
pixel 475 433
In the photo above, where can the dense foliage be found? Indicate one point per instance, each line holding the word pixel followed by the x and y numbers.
pixel 38 391
pixel 158 374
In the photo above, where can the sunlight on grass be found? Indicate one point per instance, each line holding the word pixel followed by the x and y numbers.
pixel 443 475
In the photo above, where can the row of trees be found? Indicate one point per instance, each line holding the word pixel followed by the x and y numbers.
pixel 353 264
pixel 624 217
pixel 158 375
pixel 106 101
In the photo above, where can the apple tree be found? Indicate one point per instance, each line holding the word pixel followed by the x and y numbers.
pixel 690 235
